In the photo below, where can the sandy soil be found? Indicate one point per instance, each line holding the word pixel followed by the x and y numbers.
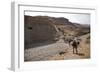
pixel 52 51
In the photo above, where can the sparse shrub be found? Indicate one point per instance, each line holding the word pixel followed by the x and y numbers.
pixel 88 40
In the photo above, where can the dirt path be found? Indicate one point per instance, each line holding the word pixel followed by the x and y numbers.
pixel 44 52
pixel 52 52
pixel 83 49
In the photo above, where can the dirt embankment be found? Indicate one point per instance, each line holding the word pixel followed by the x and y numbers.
pixel 59 51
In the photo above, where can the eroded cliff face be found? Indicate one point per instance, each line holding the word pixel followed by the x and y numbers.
pixel 41 29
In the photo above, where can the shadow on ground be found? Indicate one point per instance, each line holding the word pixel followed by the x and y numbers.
pixel 81 54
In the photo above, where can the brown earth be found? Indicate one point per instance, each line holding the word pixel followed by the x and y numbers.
pixel 44 39
pixel 52 51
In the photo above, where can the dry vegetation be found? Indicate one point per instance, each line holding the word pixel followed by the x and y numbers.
pixel 58 51
pixel 84 51
pixel 40 49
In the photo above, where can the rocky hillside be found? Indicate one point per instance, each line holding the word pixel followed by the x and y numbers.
pixel 39 29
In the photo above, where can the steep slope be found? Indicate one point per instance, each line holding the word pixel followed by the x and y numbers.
pixel 41 29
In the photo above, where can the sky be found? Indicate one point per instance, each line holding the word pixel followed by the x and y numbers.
pixel 73 17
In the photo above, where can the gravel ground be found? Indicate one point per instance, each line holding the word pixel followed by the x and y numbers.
pixel 52 51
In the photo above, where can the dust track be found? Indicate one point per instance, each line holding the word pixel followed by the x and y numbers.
pixel 51 51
